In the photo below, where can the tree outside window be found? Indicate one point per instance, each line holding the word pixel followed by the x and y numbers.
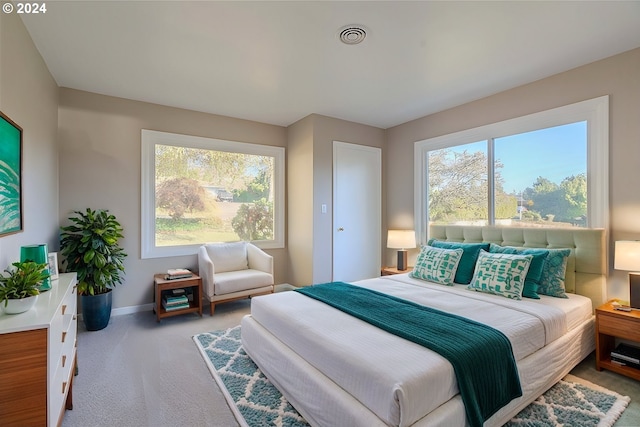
pixel 539 179
pixel 212 195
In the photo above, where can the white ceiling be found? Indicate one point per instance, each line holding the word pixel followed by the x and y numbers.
pixel 277 62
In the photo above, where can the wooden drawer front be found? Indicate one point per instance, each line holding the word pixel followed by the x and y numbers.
pixel 23 378
pixel 619 326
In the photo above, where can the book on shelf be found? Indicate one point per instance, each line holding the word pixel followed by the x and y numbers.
pixel 176 307
pixel 172 307
pixel 177 273
pixel 618 362
pixel 626 353
pixel 178 295
pixel 184 276
pixel 182 299
pixel 621 362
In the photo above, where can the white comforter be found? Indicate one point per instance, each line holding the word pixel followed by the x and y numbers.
pixel 398 380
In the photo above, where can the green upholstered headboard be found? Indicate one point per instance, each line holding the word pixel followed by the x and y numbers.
pixel 586 267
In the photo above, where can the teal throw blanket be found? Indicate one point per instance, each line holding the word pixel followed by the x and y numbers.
pixel 481 356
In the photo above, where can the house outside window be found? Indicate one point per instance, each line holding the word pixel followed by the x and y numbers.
pixel 197 190
pixel 548 169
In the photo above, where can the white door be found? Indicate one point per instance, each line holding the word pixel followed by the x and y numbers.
pixel 357 201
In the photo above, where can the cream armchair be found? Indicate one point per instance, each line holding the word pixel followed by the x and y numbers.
pixel 231 271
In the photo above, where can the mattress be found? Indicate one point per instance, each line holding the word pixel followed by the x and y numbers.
pixel 399 382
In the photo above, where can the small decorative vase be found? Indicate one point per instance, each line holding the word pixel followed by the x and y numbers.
pixel 17 306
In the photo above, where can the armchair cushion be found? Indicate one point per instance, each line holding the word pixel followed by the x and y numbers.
pixel 228 256
pixel 242 280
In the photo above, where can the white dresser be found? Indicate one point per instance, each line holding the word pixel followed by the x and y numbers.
pixel 37 358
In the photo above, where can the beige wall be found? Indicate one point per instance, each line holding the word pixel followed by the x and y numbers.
pixel 99 139
pixel 300 210
pixel 618 77
pixel 29 96
pixel 310 148
pixel 326 130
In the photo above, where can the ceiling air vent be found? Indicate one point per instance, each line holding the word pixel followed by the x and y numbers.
pixel 352 34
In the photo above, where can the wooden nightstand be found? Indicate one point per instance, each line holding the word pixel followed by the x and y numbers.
pixel 390 271
pixel 612 324
pixel 162 285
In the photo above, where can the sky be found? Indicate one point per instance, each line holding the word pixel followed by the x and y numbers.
pixel 554 153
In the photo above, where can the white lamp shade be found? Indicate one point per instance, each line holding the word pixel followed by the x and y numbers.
pixel 401 239
pixel 627 255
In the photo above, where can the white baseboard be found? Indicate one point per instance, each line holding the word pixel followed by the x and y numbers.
pixel 131 309
pixel 149 307
pixel 126 310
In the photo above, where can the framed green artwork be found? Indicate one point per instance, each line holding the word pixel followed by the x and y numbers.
pixel 10 176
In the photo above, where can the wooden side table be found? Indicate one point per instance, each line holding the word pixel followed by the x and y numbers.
pixel 390 271
pixel 161 284
pixel 612 324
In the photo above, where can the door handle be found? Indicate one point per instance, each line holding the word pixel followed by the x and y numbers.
pixel 341 229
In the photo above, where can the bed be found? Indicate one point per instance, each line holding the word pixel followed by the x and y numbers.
pixel 338 370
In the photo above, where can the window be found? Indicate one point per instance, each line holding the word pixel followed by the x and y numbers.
pixel 542 170
pixel 197 190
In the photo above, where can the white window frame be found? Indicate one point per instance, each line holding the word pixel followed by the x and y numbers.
pixel 152 138
pixel 594 111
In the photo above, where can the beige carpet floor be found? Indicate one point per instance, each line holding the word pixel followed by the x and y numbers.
pixel 137 373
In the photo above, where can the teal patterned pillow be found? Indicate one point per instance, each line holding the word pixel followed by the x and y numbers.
pixel 437 265
pixel 464 274
pixel 534 275
pixel 501 274
pixel 553 273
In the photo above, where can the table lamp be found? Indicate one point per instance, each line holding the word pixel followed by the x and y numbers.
pixel 627 257
pixel 402 240
pixel 38 254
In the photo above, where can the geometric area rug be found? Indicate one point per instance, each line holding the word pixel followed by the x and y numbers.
pixel 573 402
pixel 256 402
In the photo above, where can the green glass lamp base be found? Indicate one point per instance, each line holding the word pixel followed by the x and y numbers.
pixel 46 286
pixel 37 253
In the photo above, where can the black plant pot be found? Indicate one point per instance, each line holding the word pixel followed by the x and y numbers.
pixel 96 310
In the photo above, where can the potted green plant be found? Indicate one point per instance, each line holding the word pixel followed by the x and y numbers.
pixel 19 289
pixel 90 248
